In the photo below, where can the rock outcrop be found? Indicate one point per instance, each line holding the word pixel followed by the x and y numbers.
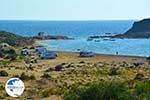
pixel 52 38
pixel 140 29
pixel 42 36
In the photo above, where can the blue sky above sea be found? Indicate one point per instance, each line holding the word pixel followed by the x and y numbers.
pixel 74 9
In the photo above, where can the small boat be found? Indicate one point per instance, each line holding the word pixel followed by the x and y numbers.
pixel 105 39
pixel 108 39
pixel 112 40
pixel 90 39
pixel 97 40
pixel 108 33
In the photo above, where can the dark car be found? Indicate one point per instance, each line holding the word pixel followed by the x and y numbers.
pixel 40 50
pixel 148 58
pixel 86 54
pixel 49 55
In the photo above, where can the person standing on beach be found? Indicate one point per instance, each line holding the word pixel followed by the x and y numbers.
pixel 117 53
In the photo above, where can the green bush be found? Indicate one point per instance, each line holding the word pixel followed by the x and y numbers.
pixel 32 77
pixel 3 73
pixel 46 93
pixel 2 97
pixel 46 76
pixel 113 71
pixel 101 91
pixel 8 53
pixel 142 90
pixel 11 57
pixel 1 54
pixel 23 76
pixel 59 67
pixel 27 60
pixel 1 88
pixel 71 96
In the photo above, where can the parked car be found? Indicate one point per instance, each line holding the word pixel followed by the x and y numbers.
pixel 48 55
pixel 86 54
pixel 40 50
pixel 148 58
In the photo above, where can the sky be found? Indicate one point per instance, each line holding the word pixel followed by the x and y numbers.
pixel 74 9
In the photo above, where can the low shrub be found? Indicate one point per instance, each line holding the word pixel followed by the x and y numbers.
pixel 1 54
pixel 49 69
pixel 139 76
pixel 32 77
pixel 59 67
pixel 1 88
pixel 46 76
pixel 109 91
pixel 46 93
pixel 101 91
pixel 81 62
pixel 32 47
pixel 8 53
pixel 2 97
pixel 113 71
pixel 11 56
pixel 142 90
pixel 23 76
pixel 72 96
pixel 27 60
pixel 3 73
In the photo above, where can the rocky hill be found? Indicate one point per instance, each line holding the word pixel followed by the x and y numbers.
pixel 17 40
pixel 140 29
pixel 14 40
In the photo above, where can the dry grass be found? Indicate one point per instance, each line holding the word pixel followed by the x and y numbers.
pixel 79 71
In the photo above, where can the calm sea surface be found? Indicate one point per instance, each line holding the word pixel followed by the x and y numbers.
pixel 81 30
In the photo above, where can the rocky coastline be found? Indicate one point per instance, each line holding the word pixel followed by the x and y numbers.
pixel 53 38
pixel 139 30
pixel 17 40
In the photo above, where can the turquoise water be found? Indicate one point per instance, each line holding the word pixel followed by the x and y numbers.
pixel 81 30
pixel 134 47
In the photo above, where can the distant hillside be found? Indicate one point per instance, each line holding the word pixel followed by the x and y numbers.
pixel 14 40
pixel 140 29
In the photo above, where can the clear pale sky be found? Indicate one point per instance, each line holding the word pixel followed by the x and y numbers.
pixel 74 9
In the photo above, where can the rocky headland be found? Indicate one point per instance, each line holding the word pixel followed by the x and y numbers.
pixel 140 29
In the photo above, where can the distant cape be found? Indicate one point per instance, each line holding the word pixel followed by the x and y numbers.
pixel 140 29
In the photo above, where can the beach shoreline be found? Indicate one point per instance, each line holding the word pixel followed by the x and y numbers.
pixel 129 47
pixel 39 43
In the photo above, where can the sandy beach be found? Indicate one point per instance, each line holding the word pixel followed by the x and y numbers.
pixel 74 70
pixel 73 57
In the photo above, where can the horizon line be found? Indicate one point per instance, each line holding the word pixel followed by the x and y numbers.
pixel 90 19
pixel 68 19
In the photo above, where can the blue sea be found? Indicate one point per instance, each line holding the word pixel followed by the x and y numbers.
pixel 80 31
